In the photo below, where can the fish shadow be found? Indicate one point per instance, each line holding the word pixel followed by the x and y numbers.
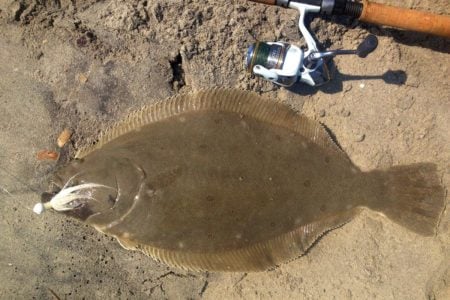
pixel 307 250
pixel 332 136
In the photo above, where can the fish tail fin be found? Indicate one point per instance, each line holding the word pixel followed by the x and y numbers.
pixel 413 197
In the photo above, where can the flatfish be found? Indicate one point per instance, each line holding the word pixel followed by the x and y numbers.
pixel 226 180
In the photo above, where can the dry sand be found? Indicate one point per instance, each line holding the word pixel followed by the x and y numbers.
pixel 84 64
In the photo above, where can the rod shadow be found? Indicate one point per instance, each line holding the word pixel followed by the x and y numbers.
pixel 404 37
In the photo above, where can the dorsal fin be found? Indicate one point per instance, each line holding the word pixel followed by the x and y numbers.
pixel 219 99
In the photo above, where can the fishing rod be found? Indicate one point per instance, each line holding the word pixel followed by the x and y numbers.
pixel 285 64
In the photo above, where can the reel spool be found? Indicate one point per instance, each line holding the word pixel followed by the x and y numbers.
pixel 275 61
pixel 269 55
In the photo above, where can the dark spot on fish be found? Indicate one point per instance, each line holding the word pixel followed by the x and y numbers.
pixel 210 236
pixel 272 224
pixel 307 183
pixel 277 137
pixel 209 198
pixel 327 159
pixel 111 200
pixel 323 207
pixel 166 178
pixel 218 121
pixel 203 147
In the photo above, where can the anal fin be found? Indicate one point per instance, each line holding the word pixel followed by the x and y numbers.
pixel 255 257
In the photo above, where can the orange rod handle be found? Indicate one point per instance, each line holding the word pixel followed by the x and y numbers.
pixel 408 19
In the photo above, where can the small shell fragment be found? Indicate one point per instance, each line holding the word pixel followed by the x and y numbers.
pixel 47 155
pixel 64 137
pixel 82 78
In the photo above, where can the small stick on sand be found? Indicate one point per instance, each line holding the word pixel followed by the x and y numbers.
pixel 47 155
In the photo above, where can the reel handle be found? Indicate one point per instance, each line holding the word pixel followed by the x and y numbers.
pixel 369 45
pixel 408 19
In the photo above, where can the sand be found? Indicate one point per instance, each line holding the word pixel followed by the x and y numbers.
pixel 84 64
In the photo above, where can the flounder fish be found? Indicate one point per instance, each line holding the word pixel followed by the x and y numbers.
pixel 225 180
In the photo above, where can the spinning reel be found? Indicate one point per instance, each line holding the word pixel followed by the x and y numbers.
pixel 285 64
